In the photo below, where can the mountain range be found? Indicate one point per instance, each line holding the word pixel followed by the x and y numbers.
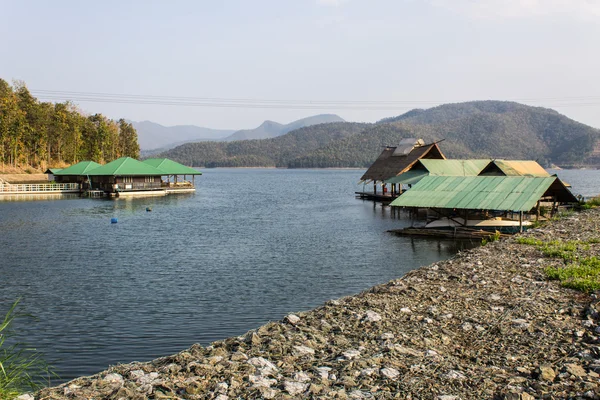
pixel 155 138
pixel 477 129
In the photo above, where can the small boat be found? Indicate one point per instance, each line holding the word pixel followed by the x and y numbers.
pixel 491 225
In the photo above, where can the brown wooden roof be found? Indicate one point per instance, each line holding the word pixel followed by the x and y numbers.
pixel 387 166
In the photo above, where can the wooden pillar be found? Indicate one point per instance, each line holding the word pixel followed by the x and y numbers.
pixel 537 211
pixel 374 187
pixel 520 221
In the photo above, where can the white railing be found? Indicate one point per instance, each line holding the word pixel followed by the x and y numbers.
pixel 38 187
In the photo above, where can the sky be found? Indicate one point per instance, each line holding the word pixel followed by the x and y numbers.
pixel 231 64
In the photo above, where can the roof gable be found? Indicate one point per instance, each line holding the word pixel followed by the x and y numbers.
pixel 170 167
pixel 387 165
pixel 81 168
pixel 125 166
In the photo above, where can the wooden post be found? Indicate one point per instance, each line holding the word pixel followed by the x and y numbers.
pixel 374 187
pixel 520 221
pixel 537 211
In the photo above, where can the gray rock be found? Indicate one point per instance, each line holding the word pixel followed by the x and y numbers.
pixel 454 375
pixel 295 388
pixel 303 350
pixel 350 354
pixel 372 316
pixel 389 373
pixel 113 378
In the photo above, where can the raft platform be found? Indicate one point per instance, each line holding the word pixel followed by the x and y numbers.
pixel 458 233
pixel 375 196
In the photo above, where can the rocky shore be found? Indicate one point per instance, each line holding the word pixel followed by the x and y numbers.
pixel 486 324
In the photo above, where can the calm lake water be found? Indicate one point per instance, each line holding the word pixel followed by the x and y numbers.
pixel 250 246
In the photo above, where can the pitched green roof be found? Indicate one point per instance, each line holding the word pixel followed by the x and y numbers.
pixel 125 166
pixel 454 167
pixel 81 168
pixel 53 171
pixel 436 167
pixel 476 192
pixel 170 167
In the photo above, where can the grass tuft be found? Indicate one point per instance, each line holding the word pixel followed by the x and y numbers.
pixel 583 276
pixel 21 367
pixel 580 274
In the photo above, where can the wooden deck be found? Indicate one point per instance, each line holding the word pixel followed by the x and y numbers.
pixel 458 233
pixel 375 196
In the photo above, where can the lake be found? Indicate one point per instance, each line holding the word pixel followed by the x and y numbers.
pixel 250 246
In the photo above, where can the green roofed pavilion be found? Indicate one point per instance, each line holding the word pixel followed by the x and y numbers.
pixel 170 167
pixel 81 168
pixel 126 166
pixel 503 193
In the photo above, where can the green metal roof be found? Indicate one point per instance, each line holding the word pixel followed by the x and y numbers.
pixel 510 193
pixel 170 167
pixel 439 168
pixel 454 167
pixel 81 168
pixel 53 171
pixel 125 166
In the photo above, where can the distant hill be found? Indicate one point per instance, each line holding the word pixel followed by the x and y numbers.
pixel 476 129
pixel 154 136
pixel 270 129
pixel 275 152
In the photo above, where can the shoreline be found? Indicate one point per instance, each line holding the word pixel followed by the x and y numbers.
pixel 483 324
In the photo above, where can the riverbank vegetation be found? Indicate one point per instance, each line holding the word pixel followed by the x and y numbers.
pixel 35 135
pixel 21 367
pixel 579 271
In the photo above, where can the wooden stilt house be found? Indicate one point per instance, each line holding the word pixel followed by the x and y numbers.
pixel 393 161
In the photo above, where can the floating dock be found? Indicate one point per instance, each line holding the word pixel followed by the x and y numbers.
pixel 458 233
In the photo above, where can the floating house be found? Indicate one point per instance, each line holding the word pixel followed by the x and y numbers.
pixel 127 176
pixel 483 202
pixel 394 161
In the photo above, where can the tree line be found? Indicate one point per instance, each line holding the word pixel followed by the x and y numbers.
pixel 44 134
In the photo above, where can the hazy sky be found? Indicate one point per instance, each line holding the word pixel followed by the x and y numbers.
pixel 361 59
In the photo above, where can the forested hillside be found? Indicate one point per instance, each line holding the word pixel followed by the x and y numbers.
pixel 40 134
pixel 477 129
pixel 275 152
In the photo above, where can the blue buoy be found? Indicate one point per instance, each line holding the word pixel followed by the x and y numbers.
pixel 114 220
pixel 148 209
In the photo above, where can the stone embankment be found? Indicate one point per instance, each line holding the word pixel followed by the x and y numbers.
pixel 486 324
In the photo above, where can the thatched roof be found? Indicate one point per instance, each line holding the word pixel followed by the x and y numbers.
pixel 389 165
